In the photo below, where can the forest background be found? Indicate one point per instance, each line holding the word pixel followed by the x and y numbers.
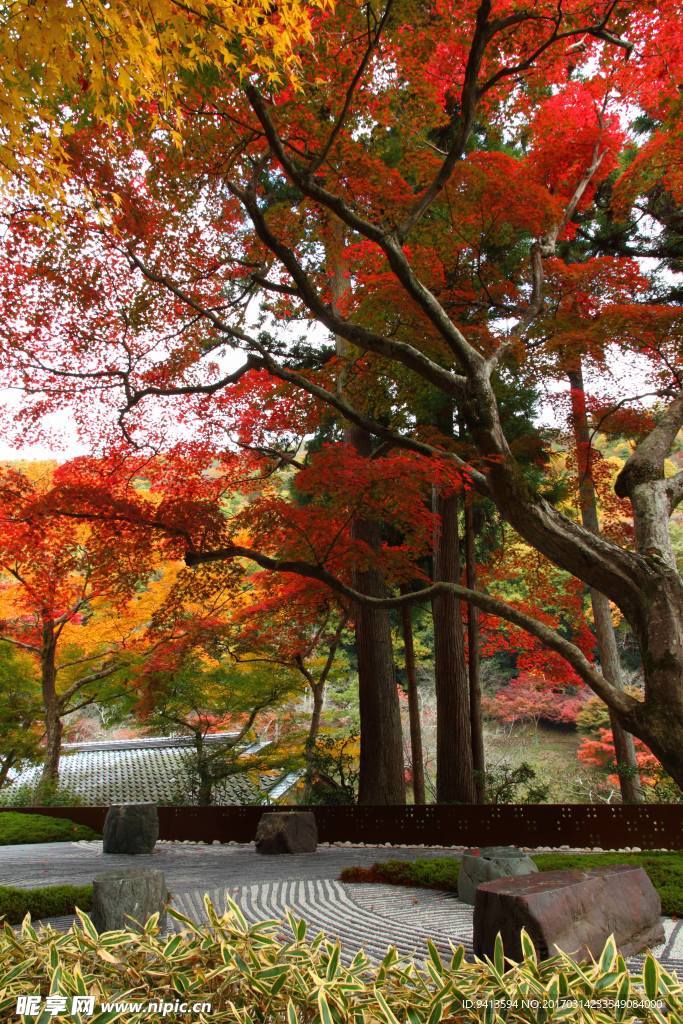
pixel 366 321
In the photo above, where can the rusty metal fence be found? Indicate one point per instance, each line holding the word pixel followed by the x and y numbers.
pixel 650 826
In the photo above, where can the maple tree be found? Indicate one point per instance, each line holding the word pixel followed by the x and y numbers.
pixel 196 694
pixel 287 628
pixel 453 160
pixel 19 713
pixel 111 57
pixel 66 591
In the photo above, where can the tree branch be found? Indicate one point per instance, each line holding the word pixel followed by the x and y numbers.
pixel 621 702
pixel 93 677
pixel 646 463
pixel 21 643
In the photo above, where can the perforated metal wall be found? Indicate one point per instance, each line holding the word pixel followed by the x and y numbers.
pixel 653 826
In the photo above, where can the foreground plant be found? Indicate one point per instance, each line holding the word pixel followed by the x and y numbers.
pixel 272 972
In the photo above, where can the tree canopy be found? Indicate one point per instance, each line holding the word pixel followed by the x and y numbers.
pixel 338 246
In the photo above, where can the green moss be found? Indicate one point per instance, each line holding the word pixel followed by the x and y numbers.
pixel 436 873
pixel 16 827
pixel 53 901
pixel 664 869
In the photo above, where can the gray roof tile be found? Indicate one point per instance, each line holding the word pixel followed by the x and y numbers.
pixel 132 771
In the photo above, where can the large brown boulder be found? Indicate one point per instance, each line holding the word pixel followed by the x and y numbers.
pixel 287 832
pixel 574 911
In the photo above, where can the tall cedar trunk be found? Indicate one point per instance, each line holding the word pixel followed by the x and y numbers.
pixel 413 707
pixel 474 660
pixel 627 765
pixel 382 776
pixel 381 771
pixel 51 707
pixel 454 765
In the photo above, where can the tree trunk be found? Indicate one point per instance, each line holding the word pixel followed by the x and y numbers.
pixel 318 693
pixel 474 661
pixel 413 707
pixel 381 775
pixel 627 765
pixel 8 760
pixel 205 788
pixel 454 766
pixel 51 708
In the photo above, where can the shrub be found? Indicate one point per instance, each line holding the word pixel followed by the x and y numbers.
pixel 530 697
pixel 17 827
pixel 39 794
pixel 272 973
pixel 426 873
pixel 53 901
pixel 505 784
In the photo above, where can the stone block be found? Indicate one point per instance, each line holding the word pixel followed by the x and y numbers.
pixel 489 863
pixel 573 910
pixel 287 832
pixel 128 898
pixel 130 828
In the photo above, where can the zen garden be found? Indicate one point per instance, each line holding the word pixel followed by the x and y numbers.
pixel 341 511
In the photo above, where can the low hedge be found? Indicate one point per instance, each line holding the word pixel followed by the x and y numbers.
pixel 52 901
pixel 664 869
pixel 272 973
pixel 16 828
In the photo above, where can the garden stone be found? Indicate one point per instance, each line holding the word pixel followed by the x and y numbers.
pixel 489 863
pixel 127 899
pixel 574 911
pixel 287 832
pixel 130 828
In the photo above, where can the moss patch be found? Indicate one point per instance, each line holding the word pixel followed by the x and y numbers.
pixel 40 828
pixel 664 869
pixel 53 901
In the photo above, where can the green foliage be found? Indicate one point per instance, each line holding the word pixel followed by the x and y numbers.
pixel 333 769
pixel 20 710
pixel 17 827
pixel 506 784
pixel 594 714
pixel 665 871
pixel 272 972
pixel 41 794
pixel 197 697
pixel 52 901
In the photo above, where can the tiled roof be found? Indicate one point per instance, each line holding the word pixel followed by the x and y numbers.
pixel 137 771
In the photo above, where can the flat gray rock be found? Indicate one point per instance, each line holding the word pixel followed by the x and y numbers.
pixel 128 898
pixel 131 829
pixel 488 864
